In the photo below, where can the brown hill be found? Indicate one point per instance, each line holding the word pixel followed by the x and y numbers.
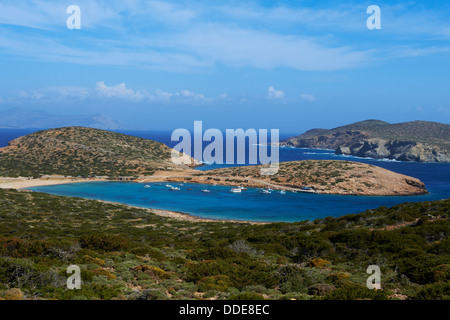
pixel 323 176
pixel 75 151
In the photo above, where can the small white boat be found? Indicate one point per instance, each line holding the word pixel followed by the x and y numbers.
pixel 174 188
pixel 168 185
pixel 283 192
pixel 147 186
pixel 236 190
pixel 206 190
pixel 265 191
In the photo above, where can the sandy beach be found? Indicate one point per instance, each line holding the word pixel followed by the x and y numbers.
pixel 21 183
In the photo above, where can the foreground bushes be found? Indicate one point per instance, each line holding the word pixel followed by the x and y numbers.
pixel 137 255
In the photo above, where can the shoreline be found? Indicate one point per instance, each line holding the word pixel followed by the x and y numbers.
pixel 21 184
pixel 25 182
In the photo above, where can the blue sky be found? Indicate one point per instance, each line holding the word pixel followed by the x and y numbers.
pixel 289 65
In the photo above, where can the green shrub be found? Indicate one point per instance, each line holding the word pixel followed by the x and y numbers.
pixel 246 296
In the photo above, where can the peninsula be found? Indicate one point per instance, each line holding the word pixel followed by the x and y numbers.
pixel 420 141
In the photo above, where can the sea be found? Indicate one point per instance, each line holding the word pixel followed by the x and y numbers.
pixel 251 205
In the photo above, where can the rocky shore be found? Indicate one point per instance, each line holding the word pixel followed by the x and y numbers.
pixel 419 141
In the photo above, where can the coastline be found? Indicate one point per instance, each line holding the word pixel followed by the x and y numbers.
pixel 188 177
pixel 22 183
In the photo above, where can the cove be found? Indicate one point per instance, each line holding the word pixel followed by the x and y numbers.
pixel 220 203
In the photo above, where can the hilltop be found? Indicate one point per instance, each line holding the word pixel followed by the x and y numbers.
pixel 421 141
pixel 74 151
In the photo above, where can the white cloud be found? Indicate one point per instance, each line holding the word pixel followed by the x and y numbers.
pixel 176 36
pixel 186 38
pixel 243 47
pixel 102 91
pixel 120 91
pixel 274 94
pixel 307 97
pixel 183 95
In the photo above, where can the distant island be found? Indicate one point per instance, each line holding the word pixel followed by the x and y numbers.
pixel 83 152
pixel 420 141
pixel 18 118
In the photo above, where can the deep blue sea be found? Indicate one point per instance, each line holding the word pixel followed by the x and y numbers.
pixel 250 204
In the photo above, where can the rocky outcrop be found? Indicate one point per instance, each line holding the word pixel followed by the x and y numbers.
pixel 325 141
pixel 394 149
pixel 419 141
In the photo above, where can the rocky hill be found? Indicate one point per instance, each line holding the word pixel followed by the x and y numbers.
pixel 420 141
pixel 75 151
pixel 322 176
pixel 335 177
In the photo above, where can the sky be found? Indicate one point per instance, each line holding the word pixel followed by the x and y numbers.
pixel 288 65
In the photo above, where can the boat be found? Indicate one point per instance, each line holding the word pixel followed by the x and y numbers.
pixel 147 186
pixel 308 189
pixel 236 190
pixel 283 192
pixel 168 185
pixel 174 188
pixel 206 190
pixel 265 191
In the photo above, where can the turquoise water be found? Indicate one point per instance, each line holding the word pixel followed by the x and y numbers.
pixel 251 205
pixel 220 203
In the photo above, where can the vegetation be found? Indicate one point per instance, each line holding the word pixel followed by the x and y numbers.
pixel 433 133
pixel 130 253
pixel 328 176
pixel 79 151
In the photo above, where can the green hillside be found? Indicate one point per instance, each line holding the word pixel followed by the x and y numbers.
pixel 83 151
pixel 417 131
pixel 130 253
